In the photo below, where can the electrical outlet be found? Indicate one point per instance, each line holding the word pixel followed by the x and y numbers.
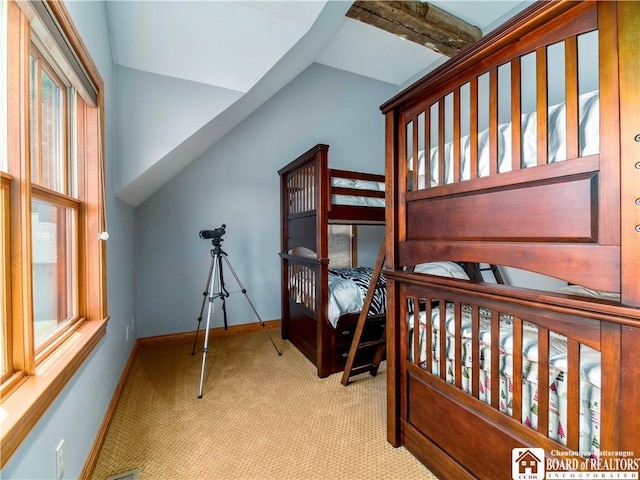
pixel 127 333
pixel 60 460
pixel 133 324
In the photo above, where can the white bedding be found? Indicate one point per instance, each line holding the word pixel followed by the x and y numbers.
pixel 348 289
pixel 357 200
pixel 589 134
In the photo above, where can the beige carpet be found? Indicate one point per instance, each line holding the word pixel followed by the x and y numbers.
pixel 262 416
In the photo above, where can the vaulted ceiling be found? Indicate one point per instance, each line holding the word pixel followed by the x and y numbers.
pixel 251 49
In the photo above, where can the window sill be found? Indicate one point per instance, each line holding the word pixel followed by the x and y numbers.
pixel 21 409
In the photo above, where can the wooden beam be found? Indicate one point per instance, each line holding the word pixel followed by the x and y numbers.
pixel 419 22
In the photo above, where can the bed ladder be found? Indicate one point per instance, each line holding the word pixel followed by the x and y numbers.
pixel 474 270
pixel 357 343
pixel 494 269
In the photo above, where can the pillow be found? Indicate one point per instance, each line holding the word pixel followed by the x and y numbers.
pixel 442 269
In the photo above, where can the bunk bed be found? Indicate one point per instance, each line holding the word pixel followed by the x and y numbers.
pixel 516 153
pixel 313 196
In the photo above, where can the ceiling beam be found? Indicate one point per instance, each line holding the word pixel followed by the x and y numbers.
pixel 419 22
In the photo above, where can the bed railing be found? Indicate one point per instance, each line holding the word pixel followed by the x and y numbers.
pixel 302 283
pixel 453 346
pixel 301 190
pixel 345 188
pixel 539 107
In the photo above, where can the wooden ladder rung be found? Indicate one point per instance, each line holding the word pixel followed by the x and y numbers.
pixel 363 369
pixel 371 343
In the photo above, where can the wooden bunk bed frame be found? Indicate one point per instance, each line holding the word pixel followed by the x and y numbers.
pixel 308 207
pixel 577 220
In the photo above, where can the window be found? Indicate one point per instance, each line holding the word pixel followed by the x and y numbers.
pixel 54 213
pixel 342 253
pixel 48 124
pixel 51 211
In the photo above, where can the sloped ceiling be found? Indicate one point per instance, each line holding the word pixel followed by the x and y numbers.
pixel 247 51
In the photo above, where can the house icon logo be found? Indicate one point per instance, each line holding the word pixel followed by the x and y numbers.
pixel 527 464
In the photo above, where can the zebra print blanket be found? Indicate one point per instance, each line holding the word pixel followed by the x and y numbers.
pixel 348 289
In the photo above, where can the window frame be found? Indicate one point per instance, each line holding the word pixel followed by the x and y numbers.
pixel 37 377
pixel 43 348
pixel 5 267
pixel 44 64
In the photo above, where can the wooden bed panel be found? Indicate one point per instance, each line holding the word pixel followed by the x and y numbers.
pixel 301 233
pixel 302 330
pixel 630 390
pixel 365 215
pixel 458 434
pixel 594 266
pixel 563 210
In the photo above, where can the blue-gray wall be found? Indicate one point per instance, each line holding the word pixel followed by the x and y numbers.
pixel 77 413
pixel 236 183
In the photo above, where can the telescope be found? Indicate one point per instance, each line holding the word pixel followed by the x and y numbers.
pixel 215 233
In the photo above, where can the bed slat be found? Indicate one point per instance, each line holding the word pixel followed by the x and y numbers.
pixel 516 123
pixel 493 121
pixel 573 395
pixel 543 381
pixel 541 105
pixel 473 160
pixel 517 369
pixel 458 351
pixel 571 71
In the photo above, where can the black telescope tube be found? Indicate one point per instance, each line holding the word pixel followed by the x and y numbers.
pixel 215 233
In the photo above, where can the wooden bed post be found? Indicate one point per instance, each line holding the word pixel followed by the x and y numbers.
pixel 628 22
pixel 628 18
pixel 391 256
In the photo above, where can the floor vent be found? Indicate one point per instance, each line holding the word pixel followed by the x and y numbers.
pixel 130 475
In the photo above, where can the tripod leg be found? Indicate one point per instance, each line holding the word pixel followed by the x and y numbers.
pixel 212 297
pixel 223 294
pixel 204 299
pixel 244 291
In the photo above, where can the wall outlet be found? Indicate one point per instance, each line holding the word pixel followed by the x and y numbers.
pixel 127 333
pixel 60 460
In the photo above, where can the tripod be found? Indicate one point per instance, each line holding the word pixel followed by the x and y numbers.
pixel 217 254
